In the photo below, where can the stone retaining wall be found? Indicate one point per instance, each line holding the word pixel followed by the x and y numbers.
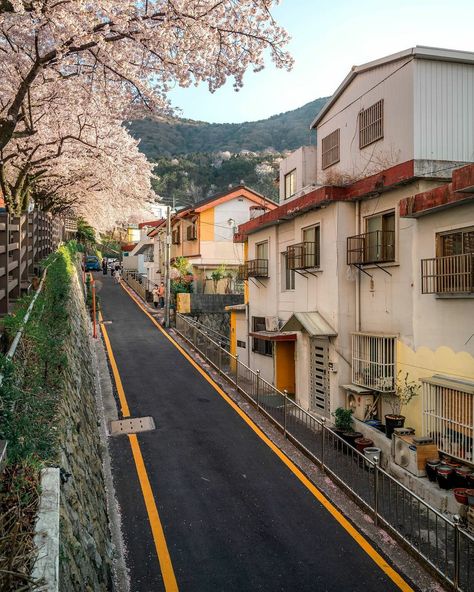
pixel 85 545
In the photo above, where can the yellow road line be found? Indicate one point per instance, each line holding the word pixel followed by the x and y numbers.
pixel 164 558
pixel 118 381
pixel 166 567
pixel 355 534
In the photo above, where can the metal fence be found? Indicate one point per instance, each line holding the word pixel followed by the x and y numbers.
pixel 445 545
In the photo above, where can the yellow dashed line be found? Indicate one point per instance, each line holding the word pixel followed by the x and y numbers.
pixel 355 534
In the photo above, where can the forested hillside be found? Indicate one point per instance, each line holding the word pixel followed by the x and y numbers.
pixel 285 131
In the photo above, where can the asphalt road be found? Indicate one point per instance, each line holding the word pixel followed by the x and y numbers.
pixel 234 516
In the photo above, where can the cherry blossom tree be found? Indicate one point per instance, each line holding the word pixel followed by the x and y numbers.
pixel 130 50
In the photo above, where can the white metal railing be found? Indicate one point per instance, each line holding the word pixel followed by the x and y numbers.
pixel 443 544
pixel 448 417
pixel 373 361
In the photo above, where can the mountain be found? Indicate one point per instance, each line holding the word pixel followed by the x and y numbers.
pixel 172 137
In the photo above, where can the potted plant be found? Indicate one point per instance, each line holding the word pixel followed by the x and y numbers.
pixel 404 392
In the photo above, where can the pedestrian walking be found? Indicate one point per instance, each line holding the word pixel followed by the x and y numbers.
pixel 156 296
pixel 117 275
pixel 161 295
pixel 104 266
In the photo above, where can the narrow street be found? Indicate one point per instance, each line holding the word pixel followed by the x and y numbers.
pixel 233 515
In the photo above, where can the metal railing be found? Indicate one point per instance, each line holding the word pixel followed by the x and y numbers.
pixel 448 275
pixel 139 283
pixel 303 255
pixel 257 268
pixel 443 544
pixel 372 247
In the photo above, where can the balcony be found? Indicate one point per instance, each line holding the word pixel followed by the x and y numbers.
pixel 302 256
pixel 448 275
pixel 371 248
pixel 257 268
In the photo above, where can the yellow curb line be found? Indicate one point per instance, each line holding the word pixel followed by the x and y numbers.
pixel 166 567
pixel 355 534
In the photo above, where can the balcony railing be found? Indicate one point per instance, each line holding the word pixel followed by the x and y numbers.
pixel 242 273
pixel 257 268
pixel 372 247
pixel 302 255
pixel 448 275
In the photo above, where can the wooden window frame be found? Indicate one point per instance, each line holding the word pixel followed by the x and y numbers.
pixel 290 175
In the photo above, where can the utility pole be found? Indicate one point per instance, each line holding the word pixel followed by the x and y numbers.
pixel 168 267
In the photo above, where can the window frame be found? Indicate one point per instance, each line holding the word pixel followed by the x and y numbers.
pixel 264 347
pixel 287 274
pixel 333 146
pixel 368 119
pixel 290 175
pixel 261 244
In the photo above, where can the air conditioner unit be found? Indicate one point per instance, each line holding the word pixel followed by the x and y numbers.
pixel 271 324
pixel 359 404
pixel 412 455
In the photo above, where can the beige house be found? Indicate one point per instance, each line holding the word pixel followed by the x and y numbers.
pixel 368 270
pixel 203 234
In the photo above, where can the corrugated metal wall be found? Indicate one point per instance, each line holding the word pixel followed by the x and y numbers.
pixel 444 111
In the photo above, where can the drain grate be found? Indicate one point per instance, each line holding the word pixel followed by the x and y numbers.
pixel 131 425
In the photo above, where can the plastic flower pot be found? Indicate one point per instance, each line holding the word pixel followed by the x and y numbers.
pixel 392 422
pixel 462 478
pixel 445 476
pixel 371 452
pixel 363 443
pixel 460 495
pixel 351 437
pixel 431 465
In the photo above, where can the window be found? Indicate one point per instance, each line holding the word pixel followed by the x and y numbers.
pixel 260 346
pixel 460 242
pixel 287 275
pixel 373 361
pixel 371 124
pixel 191 232
pixel 451 272
pixel 380 238
pixel 175 236
pixel 290 184
pixel 330 149
pixel 448 415
pixel 261 250
pixel 311 240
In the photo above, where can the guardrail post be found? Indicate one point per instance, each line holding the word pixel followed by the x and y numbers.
pixel 258 389
pixel 285 410
pixel 237 371
pixel 376 490
pixel 456 520
pixel 323 430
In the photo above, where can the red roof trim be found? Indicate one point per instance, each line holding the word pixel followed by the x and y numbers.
pixel 151 223
pixel 460 190
pixel 396 175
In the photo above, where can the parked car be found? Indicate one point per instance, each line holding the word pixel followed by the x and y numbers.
pixel 93 263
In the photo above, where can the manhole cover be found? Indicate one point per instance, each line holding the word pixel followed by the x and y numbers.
pixel 131 425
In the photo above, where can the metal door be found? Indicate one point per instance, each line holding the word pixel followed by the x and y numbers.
pixel 318 376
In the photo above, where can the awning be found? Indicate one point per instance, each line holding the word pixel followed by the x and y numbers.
pixel 310 322
pixel 274 335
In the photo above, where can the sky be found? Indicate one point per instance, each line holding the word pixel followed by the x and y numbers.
pixel 328 38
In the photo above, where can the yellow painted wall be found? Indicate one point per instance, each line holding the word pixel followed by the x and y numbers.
pixel 206 225
pixel 246 283
pixel 183 303
pixel 425 362
pixel 285 365
pixel 233 332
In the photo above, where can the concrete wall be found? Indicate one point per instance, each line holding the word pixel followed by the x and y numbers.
pixel 392 82
pixel 85 548
pixel 304 160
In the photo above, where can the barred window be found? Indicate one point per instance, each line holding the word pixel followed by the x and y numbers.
pixel 371 124
pixel 330 149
